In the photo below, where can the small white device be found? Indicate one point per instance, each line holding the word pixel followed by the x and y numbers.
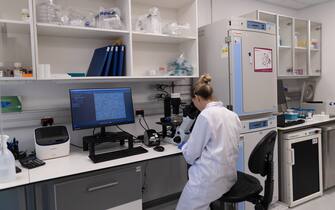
pixel 51 142
pixel 320 107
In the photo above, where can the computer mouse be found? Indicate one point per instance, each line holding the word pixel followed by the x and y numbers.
pixel 159 148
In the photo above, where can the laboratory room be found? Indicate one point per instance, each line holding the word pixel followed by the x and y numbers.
pixel 167 105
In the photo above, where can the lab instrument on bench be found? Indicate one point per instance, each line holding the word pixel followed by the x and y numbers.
pixel 240 55
pixel 51 142
pixel 177 131
pixel 98 108
pixel 151 138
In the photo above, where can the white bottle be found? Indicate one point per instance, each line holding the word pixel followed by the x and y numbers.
pixel 17 70
pixel 7 161
pixel 48 12
pixel 154 21
pixel 2 70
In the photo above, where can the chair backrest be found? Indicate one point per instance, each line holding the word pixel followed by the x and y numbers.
pixel 259 156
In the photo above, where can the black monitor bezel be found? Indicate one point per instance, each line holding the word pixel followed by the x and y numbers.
pixel 110 124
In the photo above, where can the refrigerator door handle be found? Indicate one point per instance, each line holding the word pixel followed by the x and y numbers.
pixel 292 157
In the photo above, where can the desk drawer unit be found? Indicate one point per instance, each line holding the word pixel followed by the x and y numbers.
pixel 98 190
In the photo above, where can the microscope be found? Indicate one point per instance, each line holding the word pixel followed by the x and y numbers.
pixel 177 128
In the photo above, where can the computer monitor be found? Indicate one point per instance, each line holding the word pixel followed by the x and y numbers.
pixel 98 108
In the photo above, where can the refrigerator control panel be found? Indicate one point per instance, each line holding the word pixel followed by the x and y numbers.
pixel 253 125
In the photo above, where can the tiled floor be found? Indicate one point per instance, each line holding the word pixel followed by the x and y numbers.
pixel 326 202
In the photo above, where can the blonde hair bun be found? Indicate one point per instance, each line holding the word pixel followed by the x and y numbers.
pixel 205 79
pixel 203 88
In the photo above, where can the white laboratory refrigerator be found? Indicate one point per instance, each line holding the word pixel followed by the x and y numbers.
pixel 240 55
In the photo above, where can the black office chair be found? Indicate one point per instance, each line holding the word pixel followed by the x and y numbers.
pixel 247 187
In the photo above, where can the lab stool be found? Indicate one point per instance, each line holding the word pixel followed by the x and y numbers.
pixel 247 187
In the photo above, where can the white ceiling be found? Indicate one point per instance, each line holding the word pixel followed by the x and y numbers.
pixel 295 4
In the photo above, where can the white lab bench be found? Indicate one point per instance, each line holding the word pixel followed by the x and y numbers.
pixel 63 181
pixel 78 162
pixel 21 179
pixel 307 124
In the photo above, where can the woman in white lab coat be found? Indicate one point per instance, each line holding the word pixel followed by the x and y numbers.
pixel 211 150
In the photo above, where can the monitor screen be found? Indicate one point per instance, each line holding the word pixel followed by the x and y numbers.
pixel 93 108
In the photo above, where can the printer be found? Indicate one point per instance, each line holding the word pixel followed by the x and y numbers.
pixel 51 142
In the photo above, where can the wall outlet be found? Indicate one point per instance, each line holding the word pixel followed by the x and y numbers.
pixel 140 112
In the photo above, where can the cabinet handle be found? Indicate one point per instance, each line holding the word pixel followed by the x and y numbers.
pixel 292 157
pixel 92 189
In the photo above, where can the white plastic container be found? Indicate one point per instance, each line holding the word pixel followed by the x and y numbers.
pixel 48 12
pixel 17 70
pixel 7 161
pixel 154 21
pixel 2 73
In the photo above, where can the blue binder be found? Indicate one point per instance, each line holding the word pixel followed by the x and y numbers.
pixel 115 61
pixel 98 62
pixel 120 65
pixel 109 61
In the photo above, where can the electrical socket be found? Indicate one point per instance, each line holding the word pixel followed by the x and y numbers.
pixel 139 112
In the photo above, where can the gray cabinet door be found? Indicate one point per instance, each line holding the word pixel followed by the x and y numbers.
pixel 163 177
pixel 328 152
pixel 98 190
pixel 13 199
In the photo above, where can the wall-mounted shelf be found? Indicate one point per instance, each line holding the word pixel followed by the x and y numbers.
pixel 292 77
pixel 16 27
pixel 117 78
pixel 160 38
pixel 285 47
pixel 70 48
pixel 301 49
pixel 45 29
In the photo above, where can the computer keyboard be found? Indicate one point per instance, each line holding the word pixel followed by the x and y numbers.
pixel 31 162
pixel 118 154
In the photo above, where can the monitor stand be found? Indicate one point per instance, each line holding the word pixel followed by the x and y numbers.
pixel 103 137
pixel 89 143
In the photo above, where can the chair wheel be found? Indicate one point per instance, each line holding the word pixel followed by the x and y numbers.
pixel 217 205
pixel 259 207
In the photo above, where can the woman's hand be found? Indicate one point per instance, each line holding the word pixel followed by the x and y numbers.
pixel 180 146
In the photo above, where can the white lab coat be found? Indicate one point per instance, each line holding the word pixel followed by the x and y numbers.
pixel 212 150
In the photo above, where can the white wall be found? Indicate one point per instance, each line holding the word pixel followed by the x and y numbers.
pixel 324 13
pixel 230 8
